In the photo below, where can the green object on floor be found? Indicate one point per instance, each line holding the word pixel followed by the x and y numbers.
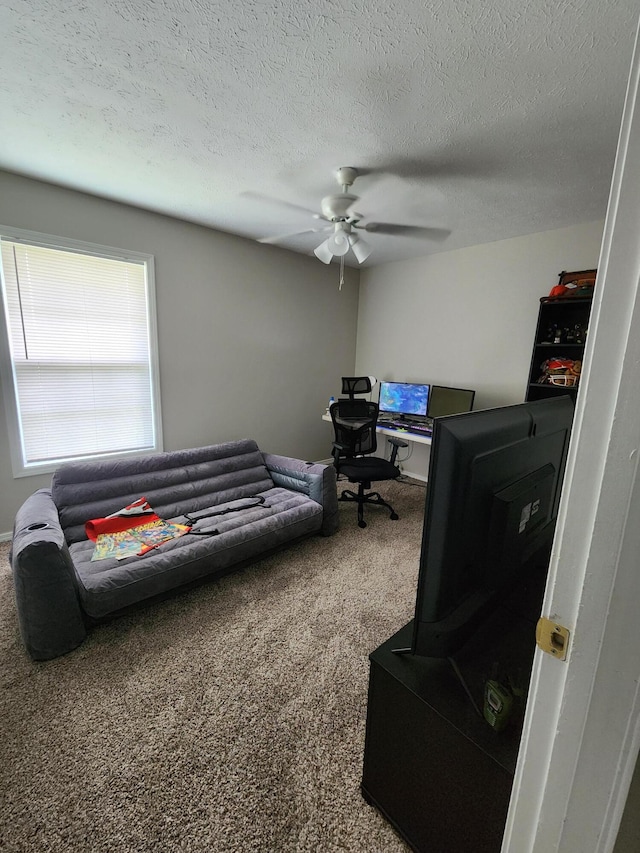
pixel 498 704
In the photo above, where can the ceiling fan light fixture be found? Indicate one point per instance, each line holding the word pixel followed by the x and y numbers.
pixel 338 243
pixel 323 252
pixel 360 249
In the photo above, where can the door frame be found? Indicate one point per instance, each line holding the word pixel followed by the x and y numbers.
pixel 581 732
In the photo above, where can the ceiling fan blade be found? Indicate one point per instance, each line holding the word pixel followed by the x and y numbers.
pixel 398 197
pixel 422 231
pixel 276 201
pixel 280 237
pixel 385 192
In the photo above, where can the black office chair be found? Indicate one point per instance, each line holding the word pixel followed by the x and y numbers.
pixel 354 425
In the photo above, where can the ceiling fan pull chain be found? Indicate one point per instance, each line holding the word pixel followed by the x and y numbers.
pixel 341 272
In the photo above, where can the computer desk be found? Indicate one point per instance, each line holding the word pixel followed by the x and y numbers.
pixel 406 434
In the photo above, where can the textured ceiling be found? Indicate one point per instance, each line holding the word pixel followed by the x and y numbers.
pixel 494 118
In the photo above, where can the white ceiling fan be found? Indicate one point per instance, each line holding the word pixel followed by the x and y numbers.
pixel 344 213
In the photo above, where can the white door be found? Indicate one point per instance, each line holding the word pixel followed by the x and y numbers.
pixel 582 732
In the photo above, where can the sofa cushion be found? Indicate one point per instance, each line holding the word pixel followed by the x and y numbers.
pixel 108 585
pixel 174 483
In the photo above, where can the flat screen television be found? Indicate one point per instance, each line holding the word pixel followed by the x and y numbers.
pixel 404 399
pixel 449 401
pixel 493 490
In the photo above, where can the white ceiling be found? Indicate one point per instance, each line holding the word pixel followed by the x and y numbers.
pixel 496 117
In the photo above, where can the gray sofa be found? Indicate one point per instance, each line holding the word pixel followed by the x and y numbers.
pixel 60 591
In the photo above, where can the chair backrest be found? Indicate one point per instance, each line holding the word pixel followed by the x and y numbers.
pixel 352 385
pixel 354 426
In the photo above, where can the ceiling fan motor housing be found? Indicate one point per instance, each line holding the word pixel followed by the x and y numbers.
pixel 336 206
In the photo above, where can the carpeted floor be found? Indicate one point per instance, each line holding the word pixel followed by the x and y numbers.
pixel 229 718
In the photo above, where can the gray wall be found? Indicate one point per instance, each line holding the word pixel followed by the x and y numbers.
pixel 628 840
pixel 465 318
pixel 252 338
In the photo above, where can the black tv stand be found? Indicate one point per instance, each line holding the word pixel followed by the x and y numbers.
pixel 432 765
pixel 458 673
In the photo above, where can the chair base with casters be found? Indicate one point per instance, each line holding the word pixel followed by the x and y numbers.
pixel 362 470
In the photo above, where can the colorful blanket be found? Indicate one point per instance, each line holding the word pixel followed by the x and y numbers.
pixel 131 531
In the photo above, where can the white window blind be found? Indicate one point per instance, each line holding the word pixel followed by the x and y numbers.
pixel 80 341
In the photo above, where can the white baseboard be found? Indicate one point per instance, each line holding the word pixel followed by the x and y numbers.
pixel 5 537
pixel 413 476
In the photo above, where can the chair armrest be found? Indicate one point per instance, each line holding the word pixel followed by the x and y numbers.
pixel 396 444
pixel 49 613
pixel 314 479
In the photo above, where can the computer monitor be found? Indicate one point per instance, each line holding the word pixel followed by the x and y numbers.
pixel 494 485
pixel 449 401
pixel 404 399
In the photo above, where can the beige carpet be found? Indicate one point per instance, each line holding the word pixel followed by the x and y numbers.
pixel 229 718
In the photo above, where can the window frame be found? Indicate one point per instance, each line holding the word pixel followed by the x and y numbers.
pixel 21 468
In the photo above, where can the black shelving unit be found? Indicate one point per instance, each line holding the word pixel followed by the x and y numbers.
pixel 561 333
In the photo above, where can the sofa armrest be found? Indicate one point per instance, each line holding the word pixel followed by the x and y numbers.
pixel 49 613
pixel 313 479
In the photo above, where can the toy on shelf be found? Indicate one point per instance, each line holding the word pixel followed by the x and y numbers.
pixel 572 285
pixel 572 334
pixel 560 371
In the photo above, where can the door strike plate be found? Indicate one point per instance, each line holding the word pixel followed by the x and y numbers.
pixel 552 638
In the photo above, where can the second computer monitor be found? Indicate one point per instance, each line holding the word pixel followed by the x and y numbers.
pixel 404 398
pixel 449 401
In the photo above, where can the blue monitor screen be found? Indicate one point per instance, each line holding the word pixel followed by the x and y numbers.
pixel 404 398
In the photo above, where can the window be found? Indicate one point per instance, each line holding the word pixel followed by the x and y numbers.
pixel 79 366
